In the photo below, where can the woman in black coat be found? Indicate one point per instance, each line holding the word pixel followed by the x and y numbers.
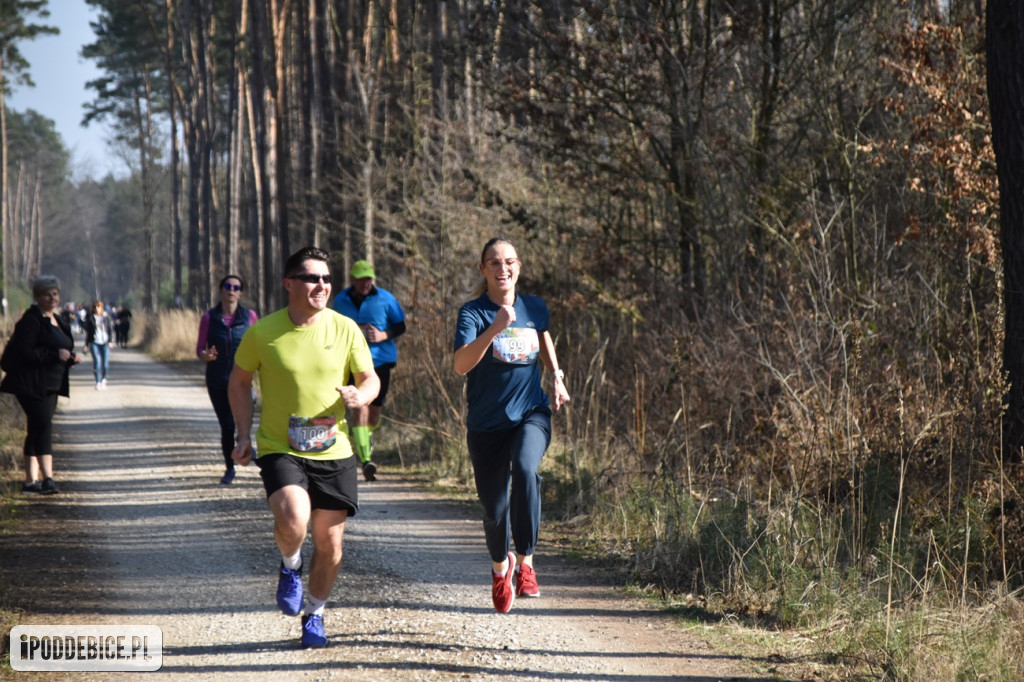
pixel 36 361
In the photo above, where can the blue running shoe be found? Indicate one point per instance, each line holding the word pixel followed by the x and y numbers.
pixel 289 591
pixel 313 634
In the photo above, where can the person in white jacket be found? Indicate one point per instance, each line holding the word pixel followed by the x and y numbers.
pixel 99 334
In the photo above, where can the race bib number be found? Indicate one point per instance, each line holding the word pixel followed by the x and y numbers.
pixel 516 346
pixel 312 434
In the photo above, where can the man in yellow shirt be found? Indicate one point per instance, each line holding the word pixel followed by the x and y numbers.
pixel 305 355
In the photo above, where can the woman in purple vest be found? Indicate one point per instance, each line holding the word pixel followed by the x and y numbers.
pixel 220 331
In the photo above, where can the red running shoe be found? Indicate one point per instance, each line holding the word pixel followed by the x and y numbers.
pixel 501 591
pixel 526 582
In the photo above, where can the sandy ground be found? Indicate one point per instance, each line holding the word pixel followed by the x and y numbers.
pixel 143 534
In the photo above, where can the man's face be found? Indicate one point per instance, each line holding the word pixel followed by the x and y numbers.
pixel 307 288
pixel 362 286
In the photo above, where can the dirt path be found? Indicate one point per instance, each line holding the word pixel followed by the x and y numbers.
pixel 143 534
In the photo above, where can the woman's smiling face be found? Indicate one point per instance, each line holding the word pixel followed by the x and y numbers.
pixel 501 268
pixel 49 300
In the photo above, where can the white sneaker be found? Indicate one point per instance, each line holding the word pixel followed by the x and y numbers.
pixel 99 385
pixel 103 382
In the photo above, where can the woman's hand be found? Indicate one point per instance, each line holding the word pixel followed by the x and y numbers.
pixel 67 356
pixel 505 316
pixel 209 355
pixel 561 393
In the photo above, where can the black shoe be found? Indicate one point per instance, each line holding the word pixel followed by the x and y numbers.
pixel 32 488
pixel 49 487
pixel 229 475
pixel 369 471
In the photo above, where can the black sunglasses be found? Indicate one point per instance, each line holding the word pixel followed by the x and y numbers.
pixel 232 287
pixel 310 278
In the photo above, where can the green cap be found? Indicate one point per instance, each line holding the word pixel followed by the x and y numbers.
pixel 362 269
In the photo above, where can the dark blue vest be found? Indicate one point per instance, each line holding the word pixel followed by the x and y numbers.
pixel 226 341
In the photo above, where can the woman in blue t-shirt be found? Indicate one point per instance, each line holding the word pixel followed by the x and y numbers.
pixel 220 331
pixel 499 338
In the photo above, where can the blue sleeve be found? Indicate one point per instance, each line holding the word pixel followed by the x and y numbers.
pixel 395 313
pixel 467 328
pixel 343 305
pixel 536 312
pixel 547 318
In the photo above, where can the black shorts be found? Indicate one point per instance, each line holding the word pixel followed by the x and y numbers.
pixel 331 483
pixel 384 374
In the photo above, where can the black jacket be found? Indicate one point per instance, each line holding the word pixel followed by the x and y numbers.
pixel 90 328
pixel 31 359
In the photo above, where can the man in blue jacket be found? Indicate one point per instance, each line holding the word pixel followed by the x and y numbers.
pixel 379 315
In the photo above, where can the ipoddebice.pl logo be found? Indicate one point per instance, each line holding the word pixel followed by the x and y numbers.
pixel 113 648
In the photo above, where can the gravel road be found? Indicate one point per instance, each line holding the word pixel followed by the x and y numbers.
pixel 143 534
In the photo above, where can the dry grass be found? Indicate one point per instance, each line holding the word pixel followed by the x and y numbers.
pixel 12 433
pixel 779 468
pixel 170 335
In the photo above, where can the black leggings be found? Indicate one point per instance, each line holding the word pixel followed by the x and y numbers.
pixel 39 428
pixel 221 406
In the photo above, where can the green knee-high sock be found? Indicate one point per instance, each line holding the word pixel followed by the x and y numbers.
pixel 361 438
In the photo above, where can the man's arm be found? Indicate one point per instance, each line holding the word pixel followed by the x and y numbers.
pixel 364 392
pixel 395 320
pixel 240 397
pixel 394 331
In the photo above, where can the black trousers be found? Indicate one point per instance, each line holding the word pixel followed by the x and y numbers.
pixel 221 406
pixel 39 427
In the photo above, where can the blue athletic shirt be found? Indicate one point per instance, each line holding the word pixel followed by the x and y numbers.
pixel 505 386
pixel 381 309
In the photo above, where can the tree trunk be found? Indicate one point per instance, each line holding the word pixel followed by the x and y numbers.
pixel 438 71
pixel 18 237
pixel 236 166
pixel 279 132
pixel 36 240
pixel 4 225
pixel 236 169
pixel 144 141
pixel 205 95
pixel 175 207
pixel 1004 44
pixel 254 101
pixel 316 117
pixel 174 100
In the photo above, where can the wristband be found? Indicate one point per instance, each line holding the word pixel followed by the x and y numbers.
pixel 557 374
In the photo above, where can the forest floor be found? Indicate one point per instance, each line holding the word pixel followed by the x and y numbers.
pixel 142 533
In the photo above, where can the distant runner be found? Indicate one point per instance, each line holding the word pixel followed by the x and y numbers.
pixel 379 315
pixel 220 331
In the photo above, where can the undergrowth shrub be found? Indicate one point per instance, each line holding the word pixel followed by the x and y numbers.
pixel 168 334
